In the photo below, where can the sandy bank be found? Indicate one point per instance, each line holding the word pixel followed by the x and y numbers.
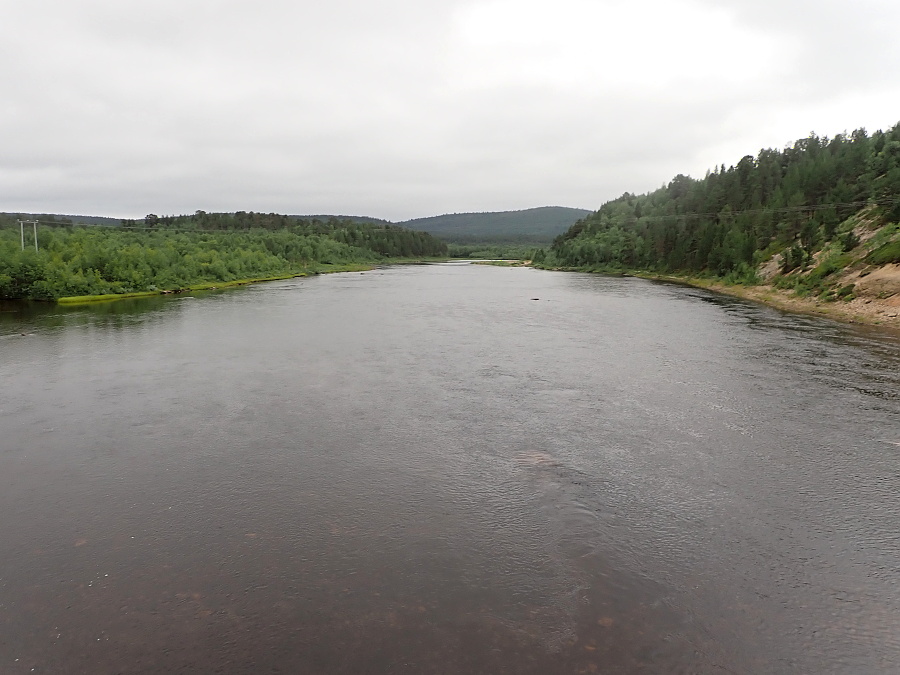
pixel 877 301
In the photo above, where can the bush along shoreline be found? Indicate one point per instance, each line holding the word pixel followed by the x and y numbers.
pixel 78 263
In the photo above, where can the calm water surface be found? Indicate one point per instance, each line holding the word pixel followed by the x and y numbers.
pixel 447 469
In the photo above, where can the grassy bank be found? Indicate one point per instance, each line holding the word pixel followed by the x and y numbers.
pixel 322 268
pixel 211 286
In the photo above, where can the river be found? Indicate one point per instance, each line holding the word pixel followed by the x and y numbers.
pixel 448 468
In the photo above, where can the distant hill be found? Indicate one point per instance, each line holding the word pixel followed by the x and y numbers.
pixel 538 225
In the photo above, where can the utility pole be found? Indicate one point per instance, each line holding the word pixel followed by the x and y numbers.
pixel 22 224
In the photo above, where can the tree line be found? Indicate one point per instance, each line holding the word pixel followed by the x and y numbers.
pixel 176 252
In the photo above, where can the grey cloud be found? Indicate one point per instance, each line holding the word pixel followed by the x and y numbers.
pixel 360 107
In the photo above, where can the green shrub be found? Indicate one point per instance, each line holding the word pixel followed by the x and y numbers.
pixel 830 265
pixel 888 253
pixel 743 274
pixel 846 291
pixel 793 258
pixel 848 241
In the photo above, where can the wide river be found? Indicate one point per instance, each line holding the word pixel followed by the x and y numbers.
pixel 449 468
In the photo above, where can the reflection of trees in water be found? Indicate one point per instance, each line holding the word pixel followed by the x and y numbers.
pixel 17 316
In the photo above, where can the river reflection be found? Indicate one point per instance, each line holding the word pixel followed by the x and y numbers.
pixel 424 469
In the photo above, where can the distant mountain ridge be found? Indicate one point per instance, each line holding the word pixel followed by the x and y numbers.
pixel 538 224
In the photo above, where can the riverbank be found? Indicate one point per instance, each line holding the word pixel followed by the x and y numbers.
pixel 876 299
pixel 503 263
pixel 214 285
pixel 322 268
pixel 866 308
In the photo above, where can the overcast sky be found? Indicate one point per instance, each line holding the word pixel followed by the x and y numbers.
pixel 407 108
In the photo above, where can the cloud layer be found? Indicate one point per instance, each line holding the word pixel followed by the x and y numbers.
pixel 408 108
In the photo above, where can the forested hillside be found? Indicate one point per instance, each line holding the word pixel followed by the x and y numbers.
pixel 173 252
pixel 529 225
pixel 810 211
